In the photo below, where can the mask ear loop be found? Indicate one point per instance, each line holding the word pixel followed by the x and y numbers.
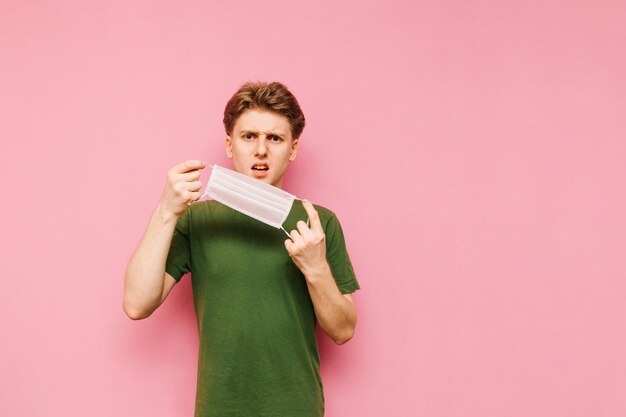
pixel 288 235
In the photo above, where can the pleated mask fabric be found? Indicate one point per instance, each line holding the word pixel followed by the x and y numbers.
pixel 252 197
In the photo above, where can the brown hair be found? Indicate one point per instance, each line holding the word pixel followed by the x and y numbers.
pixel 267 96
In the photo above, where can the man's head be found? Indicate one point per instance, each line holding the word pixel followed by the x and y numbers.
pixel 263 122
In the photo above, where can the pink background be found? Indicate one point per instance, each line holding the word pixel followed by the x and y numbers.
pixel 474 151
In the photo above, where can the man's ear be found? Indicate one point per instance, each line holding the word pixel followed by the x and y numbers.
pixel 294 150
pixel 228 145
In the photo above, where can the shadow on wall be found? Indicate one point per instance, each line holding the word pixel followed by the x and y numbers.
pixel 165 344
pixel 332 356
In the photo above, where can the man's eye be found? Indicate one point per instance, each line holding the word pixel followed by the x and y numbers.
pixel 276 139
pixel 248 136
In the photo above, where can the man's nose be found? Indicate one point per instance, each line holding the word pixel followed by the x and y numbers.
pixel 261 147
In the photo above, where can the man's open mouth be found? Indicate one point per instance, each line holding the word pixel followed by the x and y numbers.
pixel 260 167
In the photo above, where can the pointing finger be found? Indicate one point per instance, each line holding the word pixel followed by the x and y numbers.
pixel 313 216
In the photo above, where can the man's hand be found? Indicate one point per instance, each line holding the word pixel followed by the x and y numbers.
pixel 335 312
pixel 307 246
pixel 181 188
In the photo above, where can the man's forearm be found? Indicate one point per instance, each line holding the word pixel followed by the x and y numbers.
pixel 335 313
pixel 143 286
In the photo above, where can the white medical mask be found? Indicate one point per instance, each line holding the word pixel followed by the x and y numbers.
pixel 250 196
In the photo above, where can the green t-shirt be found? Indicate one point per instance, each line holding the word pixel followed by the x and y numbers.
pixel 258 352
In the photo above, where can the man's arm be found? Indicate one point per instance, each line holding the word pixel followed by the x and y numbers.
pixel 146 283
pixel 145 274
pixel 336 312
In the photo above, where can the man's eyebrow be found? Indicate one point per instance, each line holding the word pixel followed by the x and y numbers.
pixel 255 132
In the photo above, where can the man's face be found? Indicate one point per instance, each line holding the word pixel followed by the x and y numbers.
pixel 261 145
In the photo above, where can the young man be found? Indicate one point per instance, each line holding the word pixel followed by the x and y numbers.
pixel 257 295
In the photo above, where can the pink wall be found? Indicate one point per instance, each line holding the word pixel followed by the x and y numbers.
pixel 474 151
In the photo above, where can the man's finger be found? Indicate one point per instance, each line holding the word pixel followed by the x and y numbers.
pixel 191 175
pixel 313 216
pixel 189 165
pixel 192 186
pixel 304 230
pixel 295 236
pixel 288 246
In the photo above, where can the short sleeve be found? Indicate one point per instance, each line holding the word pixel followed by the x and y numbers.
pixel 178 259
pixel 338 259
